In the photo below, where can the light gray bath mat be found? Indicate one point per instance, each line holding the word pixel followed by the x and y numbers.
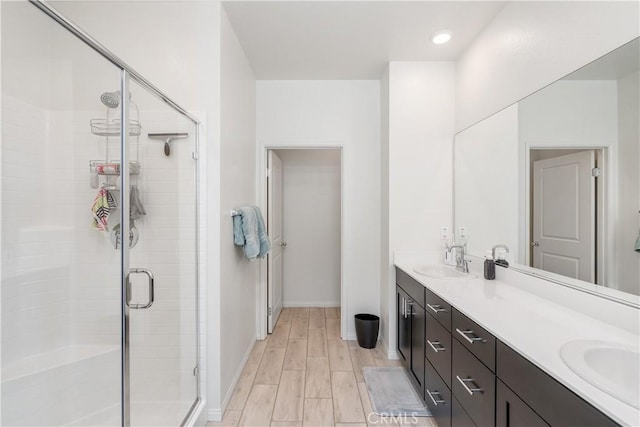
pixel 391 392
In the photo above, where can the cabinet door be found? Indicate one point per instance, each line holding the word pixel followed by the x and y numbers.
pixel 418 316
pixel 511 411
pixel 404 327
pixel 437 396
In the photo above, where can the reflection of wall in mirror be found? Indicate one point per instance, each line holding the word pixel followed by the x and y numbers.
pixel 486 183
pixel 629 183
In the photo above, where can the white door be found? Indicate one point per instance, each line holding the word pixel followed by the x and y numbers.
pixel 274 229
pixel 564 215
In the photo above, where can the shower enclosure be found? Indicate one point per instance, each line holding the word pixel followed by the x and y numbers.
pixel 99 293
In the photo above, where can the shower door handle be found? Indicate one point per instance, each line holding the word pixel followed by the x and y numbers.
pixel 150 278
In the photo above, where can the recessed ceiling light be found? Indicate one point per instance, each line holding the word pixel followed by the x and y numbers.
pixel 442 37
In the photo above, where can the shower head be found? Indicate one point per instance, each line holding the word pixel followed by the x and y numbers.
pixel 111 99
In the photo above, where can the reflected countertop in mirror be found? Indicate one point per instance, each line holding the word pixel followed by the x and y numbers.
pixel 556 177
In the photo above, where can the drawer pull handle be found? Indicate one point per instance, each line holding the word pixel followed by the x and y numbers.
pixel 470 390
pixel 434 344
pixel 465 334
pixel 436 308
pixel 435 402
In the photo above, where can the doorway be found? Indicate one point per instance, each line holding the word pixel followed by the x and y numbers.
pixel 566 211
pixel 304 204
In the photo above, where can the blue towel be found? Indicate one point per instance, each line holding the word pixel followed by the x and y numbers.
pixel 265 243
pixel 249 232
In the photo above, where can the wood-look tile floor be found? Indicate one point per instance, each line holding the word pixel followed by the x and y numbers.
pixel 305 375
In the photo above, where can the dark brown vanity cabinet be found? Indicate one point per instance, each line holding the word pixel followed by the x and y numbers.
pixel 542 394
pixel 468 378
pixel 411 327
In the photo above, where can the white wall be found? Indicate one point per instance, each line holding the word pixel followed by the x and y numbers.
pixel 629 183
pixel 346 114
pixel 531 44
pixel 486 183
pixel 421 128
pixel 238 276
pixel 311 190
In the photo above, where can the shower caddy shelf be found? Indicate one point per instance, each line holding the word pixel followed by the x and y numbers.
pixel 106 127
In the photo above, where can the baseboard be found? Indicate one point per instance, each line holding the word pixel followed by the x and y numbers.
pixel 214 415
pixel 310 304
pixel 391 355
pixel 217 413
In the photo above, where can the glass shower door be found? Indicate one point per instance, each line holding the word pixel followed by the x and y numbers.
pixel 61 276
pixel 162 256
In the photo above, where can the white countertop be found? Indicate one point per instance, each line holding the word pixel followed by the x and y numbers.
pixel 518 310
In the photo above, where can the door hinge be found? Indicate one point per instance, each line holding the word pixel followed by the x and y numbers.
pixel 596 172
pixel 195 155
pixel 270 311
pixel 196 370
pixel 268 173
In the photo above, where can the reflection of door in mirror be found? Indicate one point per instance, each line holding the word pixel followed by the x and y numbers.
pixel 564 206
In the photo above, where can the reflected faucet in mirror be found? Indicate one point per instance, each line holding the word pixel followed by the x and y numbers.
pixel 501 262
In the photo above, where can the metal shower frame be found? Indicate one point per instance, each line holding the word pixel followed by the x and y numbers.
pixel 126 73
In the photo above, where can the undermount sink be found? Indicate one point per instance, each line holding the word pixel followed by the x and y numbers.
pixel 612 367
pixel 443 272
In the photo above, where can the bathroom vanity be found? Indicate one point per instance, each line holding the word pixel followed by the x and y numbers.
pixel 488 353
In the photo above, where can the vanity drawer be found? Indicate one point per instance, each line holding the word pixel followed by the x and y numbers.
pixel 474 385
pixel 412 287
pixel 439 309
pixel 475 338
pixel 438 349
pixel 437 396
pixel 555 403
pixel 459 418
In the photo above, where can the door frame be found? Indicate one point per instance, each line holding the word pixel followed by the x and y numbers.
pixel 605 201
pixel 261 185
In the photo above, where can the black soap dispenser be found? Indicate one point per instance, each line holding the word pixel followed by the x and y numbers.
pixel 489 266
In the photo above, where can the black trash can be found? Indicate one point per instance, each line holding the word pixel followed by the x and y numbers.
pixel 367 326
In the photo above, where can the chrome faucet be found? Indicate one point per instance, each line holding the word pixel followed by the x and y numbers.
pixel 461 263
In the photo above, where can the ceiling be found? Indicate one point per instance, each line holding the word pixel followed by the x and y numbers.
pixel 316 40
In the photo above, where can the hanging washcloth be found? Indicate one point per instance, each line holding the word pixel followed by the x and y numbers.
pixel 100 210
pixel 111 201
pixel 136 209
pixel 637 246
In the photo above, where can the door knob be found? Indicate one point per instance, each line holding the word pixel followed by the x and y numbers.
pixel 534 244
pixel 283 244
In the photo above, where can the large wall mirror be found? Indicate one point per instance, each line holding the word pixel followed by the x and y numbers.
pixel 556 177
